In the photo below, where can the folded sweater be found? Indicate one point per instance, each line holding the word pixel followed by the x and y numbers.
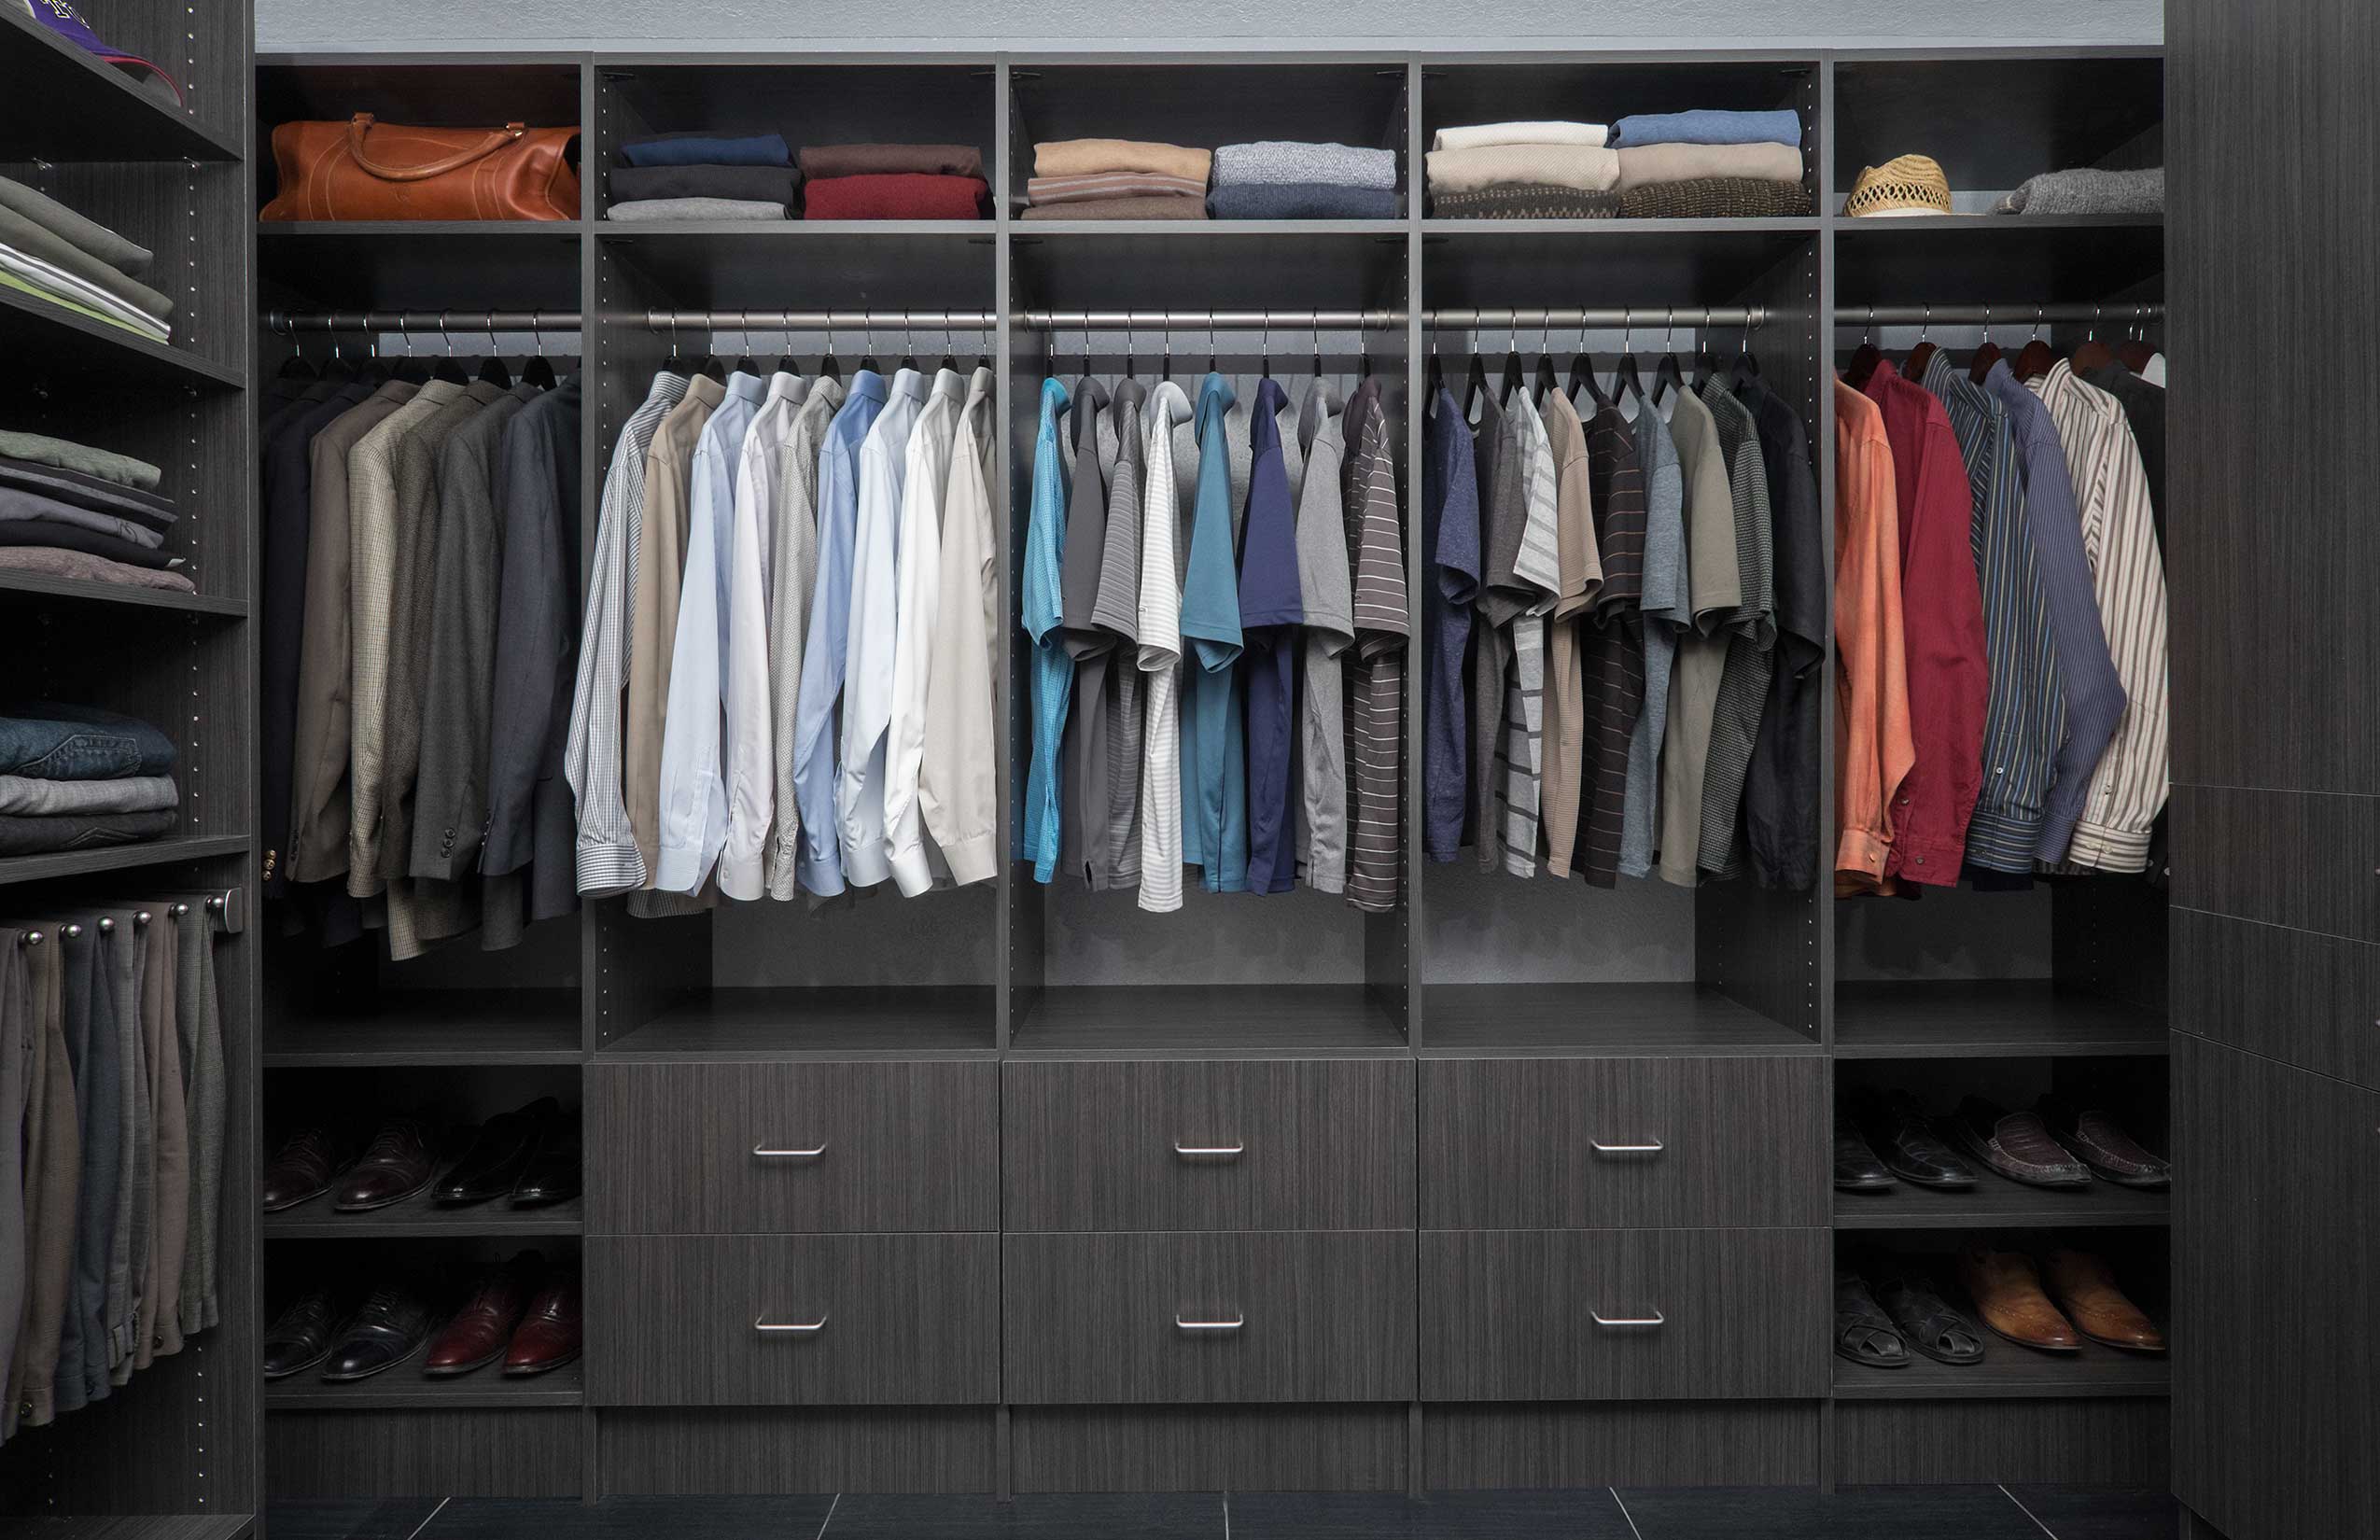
pixel 1524 200
pixel 1294 162
pixel 646 210
pixel 126 256
pixel 904 195
pixel 66 454
pixel 1303 201
pixel 28 796
pixel 38 241
pixel 1653 163
pixel 19 506
pixel 1177 207
pixel 704 148
pixel 1580 166
pixel 745 184
pixel 1110 184
pixel 38 835
pixel 1540 132
pixel 58 562
pixel 91 542
pixel 1715 198
pixel 85 491
pixel 2087 190
pixel 891 160
pixel 1708 126
pixel 1074 156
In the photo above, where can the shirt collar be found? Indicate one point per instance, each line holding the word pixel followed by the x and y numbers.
pixel 747 387
pixel 866 386
pixel 785 386
pixel 909 385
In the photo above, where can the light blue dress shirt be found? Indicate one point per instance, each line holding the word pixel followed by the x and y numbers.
pixel 1214 755
pixel 872 630
pixel 1053 676
pixel 822 653
pixel 694 799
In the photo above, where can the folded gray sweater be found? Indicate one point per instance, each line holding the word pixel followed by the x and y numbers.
pixel 648 209
pixel 1289 161
pixel 2085 190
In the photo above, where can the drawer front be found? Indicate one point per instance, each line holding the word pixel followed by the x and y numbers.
pixel 744 1149
pixel 1282 1145
pixel 1513 1315
pixel 2309 1000
pixel 1203 1318
pixel 1580 1143
pixel 685 1321
pixel 2304 859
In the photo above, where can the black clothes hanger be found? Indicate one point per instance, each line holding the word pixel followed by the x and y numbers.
pixel 297 366
pixel 1475 381
pixel 1706 363
pixel 413 370
pixel 745 363
pixel 1265 349
pixel 909 353
pixel 1747 364
pixel 447 367
pixel 492 370
pixel 1546 381
pixel 830 367
pixel 538 371
pixel 336 368
pixel 1437 377
pixel 1513 374
pixel 712 369
pixel 949 347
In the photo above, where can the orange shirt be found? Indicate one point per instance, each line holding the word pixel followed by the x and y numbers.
pixel 1874 749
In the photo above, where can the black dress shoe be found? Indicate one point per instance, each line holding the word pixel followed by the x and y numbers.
pixel 1927 1321
pixel 304 1166
pixel 389 1329
pixel 399 1164
pixel 499 1153
pixel 1898 1129
pixel 552 1173
pixel 300 1337
pixel 1856 1167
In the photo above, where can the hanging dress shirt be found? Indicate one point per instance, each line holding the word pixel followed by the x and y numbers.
pixel 793 557
pixel 925 485
pixel 1040 589
pixel 1744 687
pixel 1324 592
pixel 1566 702
pixel 747 767
pixel 1874 749
pixel 1082 808
pixel 1611 650
pixel 1715 590
pixel 815 778
pixel 1214 828
pixel 1115 610
pixel 1159 655
pixel 957 786
pixel 1668 612
pixel 873 631
pixel 1269 610
pixel 1450 528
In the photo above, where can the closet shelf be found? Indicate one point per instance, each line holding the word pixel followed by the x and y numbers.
pixel 404 1388
pixel 418 1217
pixel 58 102
pixel 1995 1202
pixel 934 1022
pixel 1987 226
pixel 1989 1019
pixel 1202 1020
pixel 120 857
pixel 138 1526
pixel 43 585
pixel 437 1027
pixel 396 230
pixel 1596 1020
pixel 1787 225
pixel 41 337
pixel 1210 229
pixel 2008 1371
pixel 791 229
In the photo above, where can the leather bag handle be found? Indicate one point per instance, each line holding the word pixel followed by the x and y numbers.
pixel 362 123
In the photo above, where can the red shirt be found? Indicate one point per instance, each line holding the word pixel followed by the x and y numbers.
pixel 1942 627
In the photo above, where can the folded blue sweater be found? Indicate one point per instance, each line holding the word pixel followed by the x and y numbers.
pixel 1303 201
pixel 1707 126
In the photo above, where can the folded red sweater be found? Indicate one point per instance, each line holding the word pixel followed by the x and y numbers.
pixel 900 195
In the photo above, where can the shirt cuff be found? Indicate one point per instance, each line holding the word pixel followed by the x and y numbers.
pixel 680 869
pixel 606 867
pixel 739 875
pixel 2105 849
pixel 911 871
pixel 864 865
pixel 972 860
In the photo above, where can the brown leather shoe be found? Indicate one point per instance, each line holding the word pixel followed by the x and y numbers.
pixel 480 1330
pixel 303 1167
pixel 2007 1291
pixel 552 1335
pixel 399 1164
pixel 2111 1154
pixel 2084 1286
pixel 2015 1144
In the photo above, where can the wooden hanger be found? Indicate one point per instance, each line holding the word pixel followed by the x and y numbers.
pixel 2037 359
pixel 1866 357
pixel 1986 356
pixel 2093 354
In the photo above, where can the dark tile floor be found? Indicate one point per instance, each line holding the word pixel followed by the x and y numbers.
pixel 1761 1513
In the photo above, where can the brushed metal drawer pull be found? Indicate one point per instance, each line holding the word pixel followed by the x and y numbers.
pixel 791 1328
pixel 1650 1147
pixel 1185 1323
pixel 766 1153
pixel 1210 1152
pixel 1615 1322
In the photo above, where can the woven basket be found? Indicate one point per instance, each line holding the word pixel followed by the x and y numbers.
pixel 1906 183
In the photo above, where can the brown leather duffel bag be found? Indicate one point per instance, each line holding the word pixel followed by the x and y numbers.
pixel 364 170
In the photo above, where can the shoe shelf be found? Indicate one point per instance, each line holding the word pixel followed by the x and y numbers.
pixel 1989 1019
pixel 2008 1371
pixel 1995 1202
pixel 138 1526
pixel 432 1027
pixel 417 1217
pixel 404 1387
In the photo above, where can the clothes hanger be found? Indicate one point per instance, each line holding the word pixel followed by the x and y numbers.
pixel 1546 381
pixel 1706 363
pixel 2038 357
pixel 1265 349
pixel 538 371
pixel 1866 357
pixel 412 370
pixel 446 368
pixel 2134 351
pixel 1747 363
pixel 1986 356
pixel 908 344
pixel 1625 378
pixel 830 366
pixel 1667 376
pixel 297 366
pixel 1129 371
pixel 949 347
pixel 868 358
pixel 493 371
pixel 1318 350
pixel 1437 377
pixel 743 363
pixel 1165 370
pixel 2093 354
pixel 1923 354
pixel 1475 378
pixel 375 370
pixel 1513 378
pixel 336 368
pixel 786 362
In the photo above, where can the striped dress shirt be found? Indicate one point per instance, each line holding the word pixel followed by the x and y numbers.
pixel 2024 713
pixel 1376 666
pixel 1743 687
pixel 2128 581
pixel 1668 610
pixel 1613 649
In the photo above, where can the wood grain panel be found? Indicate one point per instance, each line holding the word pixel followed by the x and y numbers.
pixel 2308 1001
pixel 1210 1448
pixel 729 1449
pixel 673 1320
pixel 1325 1317
pixel 2298 858
pixel 2087 1442
pixel 907 1146
pixel 2277 1239
pixel 1510 1315
pixel 423 1454
pixel 1326 1144
pixel 1510 1144
pixel 1650 1444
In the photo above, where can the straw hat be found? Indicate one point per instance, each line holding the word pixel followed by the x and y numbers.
pixel 1904 185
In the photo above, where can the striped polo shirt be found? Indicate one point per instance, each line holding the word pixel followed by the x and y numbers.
pixel 1375 672
pixel 1611 650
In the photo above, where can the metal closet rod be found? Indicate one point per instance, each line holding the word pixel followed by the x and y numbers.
pixel 1991 314
pixel 422 320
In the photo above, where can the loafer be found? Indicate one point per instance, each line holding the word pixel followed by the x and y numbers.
pixel 2015 1144
pixel 305 1164
pixel 1904 1139
pixel 300 1337
pixel 552 1172
pixel 2100 1142
pixel 396 1165
pixel 499 1154
pixel 478 1333
pixel 1863 1333
pixel 1925 1320
pixel 552 1334
pixel 1856 1167
pixel 390 1329
pixel 2006 1288
pixel 2084 1287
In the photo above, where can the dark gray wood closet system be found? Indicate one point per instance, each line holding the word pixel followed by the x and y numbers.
pixel 1420 1228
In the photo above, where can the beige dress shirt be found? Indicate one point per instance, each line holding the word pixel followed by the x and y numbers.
pixel 660 570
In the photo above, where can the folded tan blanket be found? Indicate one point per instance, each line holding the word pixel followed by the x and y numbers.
pixel 891 160
pixel 1584 167
pixel 1111 183
pixel 1651 163
pixel 1172 208
pixel 1078 157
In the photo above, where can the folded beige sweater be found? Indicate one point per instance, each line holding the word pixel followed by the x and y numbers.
pixel 1587 168
pixel 1081 157
pixel 1648 164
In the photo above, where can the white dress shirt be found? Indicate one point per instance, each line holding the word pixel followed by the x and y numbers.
pixel 958 782
pixel 925 481
pixel 750 765
pixel 873 632
pixel 794 559
pixel 1160 657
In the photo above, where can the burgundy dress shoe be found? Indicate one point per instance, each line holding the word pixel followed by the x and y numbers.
pixel 2111 1154
pixel 304 1166
pixel 399 1164
pixel 2015 1144
pixel 552 1335
pixel 478 1332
